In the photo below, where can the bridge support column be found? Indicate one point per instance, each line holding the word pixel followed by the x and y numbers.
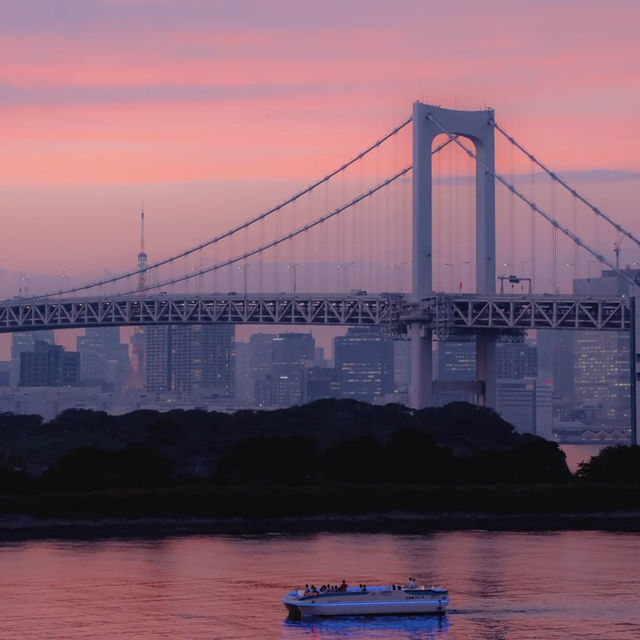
pixel 486 368
pixel 477 126
pixel 421 388
pixel 635 367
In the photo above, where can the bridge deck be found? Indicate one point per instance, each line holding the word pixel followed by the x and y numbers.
pixel 440 312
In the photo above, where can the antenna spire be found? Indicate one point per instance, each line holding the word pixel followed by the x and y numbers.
pixel 142 229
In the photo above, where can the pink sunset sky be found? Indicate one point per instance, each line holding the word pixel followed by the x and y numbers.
pixel 211 110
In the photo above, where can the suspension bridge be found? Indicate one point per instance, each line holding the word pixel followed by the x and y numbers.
pixel 353 237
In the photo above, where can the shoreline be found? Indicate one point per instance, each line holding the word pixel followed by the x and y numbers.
pixel 25 528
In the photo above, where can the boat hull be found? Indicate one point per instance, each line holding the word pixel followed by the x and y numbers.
pixel 366 604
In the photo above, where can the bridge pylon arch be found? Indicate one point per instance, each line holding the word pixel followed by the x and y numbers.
pixel 477 126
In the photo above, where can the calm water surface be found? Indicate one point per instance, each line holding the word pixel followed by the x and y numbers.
pixel 523 586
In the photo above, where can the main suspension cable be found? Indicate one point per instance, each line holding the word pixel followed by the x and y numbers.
pixel 260 250
pixel 234 230
pixel 560 181
pixel 273 243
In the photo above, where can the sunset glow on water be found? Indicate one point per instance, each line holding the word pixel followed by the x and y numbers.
pixel 502 585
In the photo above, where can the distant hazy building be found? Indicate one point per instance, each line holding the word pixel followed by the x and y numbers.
pixel 555 362
pixel 364 360
pixel 104 360
pixel 322 382
pixel 278 364
pixel 526 404
pixel 454 362
pixel 291 354
pixel 5 373
pixel 243 377
pixel 190 359
pixel 260 359
pixel 49 365
pixel 601 375
pixel 601 367
pixel 293 348
pixel 401 369
pixel 157 352
pixel 21 342
pixel 516 360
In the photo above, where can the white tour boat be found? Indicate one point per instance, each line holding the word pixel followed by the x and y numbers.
pixel 365 600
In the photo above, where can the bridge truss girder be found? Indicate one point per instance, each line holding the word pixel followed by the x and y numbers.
pixel 29 315
pixel 447 313
pixel 444 314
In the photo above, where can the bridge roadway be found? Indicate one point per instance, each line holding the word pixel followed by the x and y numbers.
pixel 443 313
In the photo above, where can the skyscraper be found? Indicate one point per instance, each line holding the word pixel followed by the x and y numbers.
pixel 601 386
pixel 364 360
pixel 49 365
pixel 190 359
pixel 104 360
pixel 21 342
pixel 516 360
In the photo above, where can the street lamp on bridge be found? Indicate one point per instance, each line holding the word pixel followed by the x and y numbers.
pixel 293 267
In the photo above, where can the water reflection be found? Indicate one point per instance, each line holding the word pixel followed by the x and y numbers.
pixel 556 586
pixel 360 628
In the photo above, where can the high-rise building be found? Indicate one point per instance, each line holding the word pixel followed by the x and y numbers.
pixel 291 354
pixel 104 360
pixel 601 360
pixel 456 360
pixel 243 377
pixel 364 361
pixel 21 342
pixel 286 384
pixel 49 365
pixel 455 366
pixel 293 348
pixel 401 368
pixel 190 359
pixel 516 360
pixel 526 404
pixel 278 364
pixel 157 352
pixel 555 362
pixel 5 373
pixel 260 359
pixel 322 382
pixel 601 383
pixel 202 359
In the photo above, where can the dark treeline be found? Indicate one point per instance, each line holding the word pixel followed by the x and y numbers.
pixel 324 443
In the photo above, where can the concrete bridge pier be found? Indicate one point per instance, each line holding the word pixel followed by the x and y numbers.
pixel 421 389
pixel 486 373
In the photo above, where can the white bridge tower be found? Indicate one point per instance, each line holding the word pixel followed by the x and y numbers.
pixel 428 122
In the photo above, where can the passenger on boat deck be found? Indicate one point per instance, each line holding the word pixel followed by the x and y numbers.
pixel 307 591
pixel 343 586
pixel 363 587
pixel 314 591
pixel 413 584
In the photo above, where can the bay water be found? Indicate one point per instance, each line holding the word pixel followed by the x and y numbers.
pixel 524 586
